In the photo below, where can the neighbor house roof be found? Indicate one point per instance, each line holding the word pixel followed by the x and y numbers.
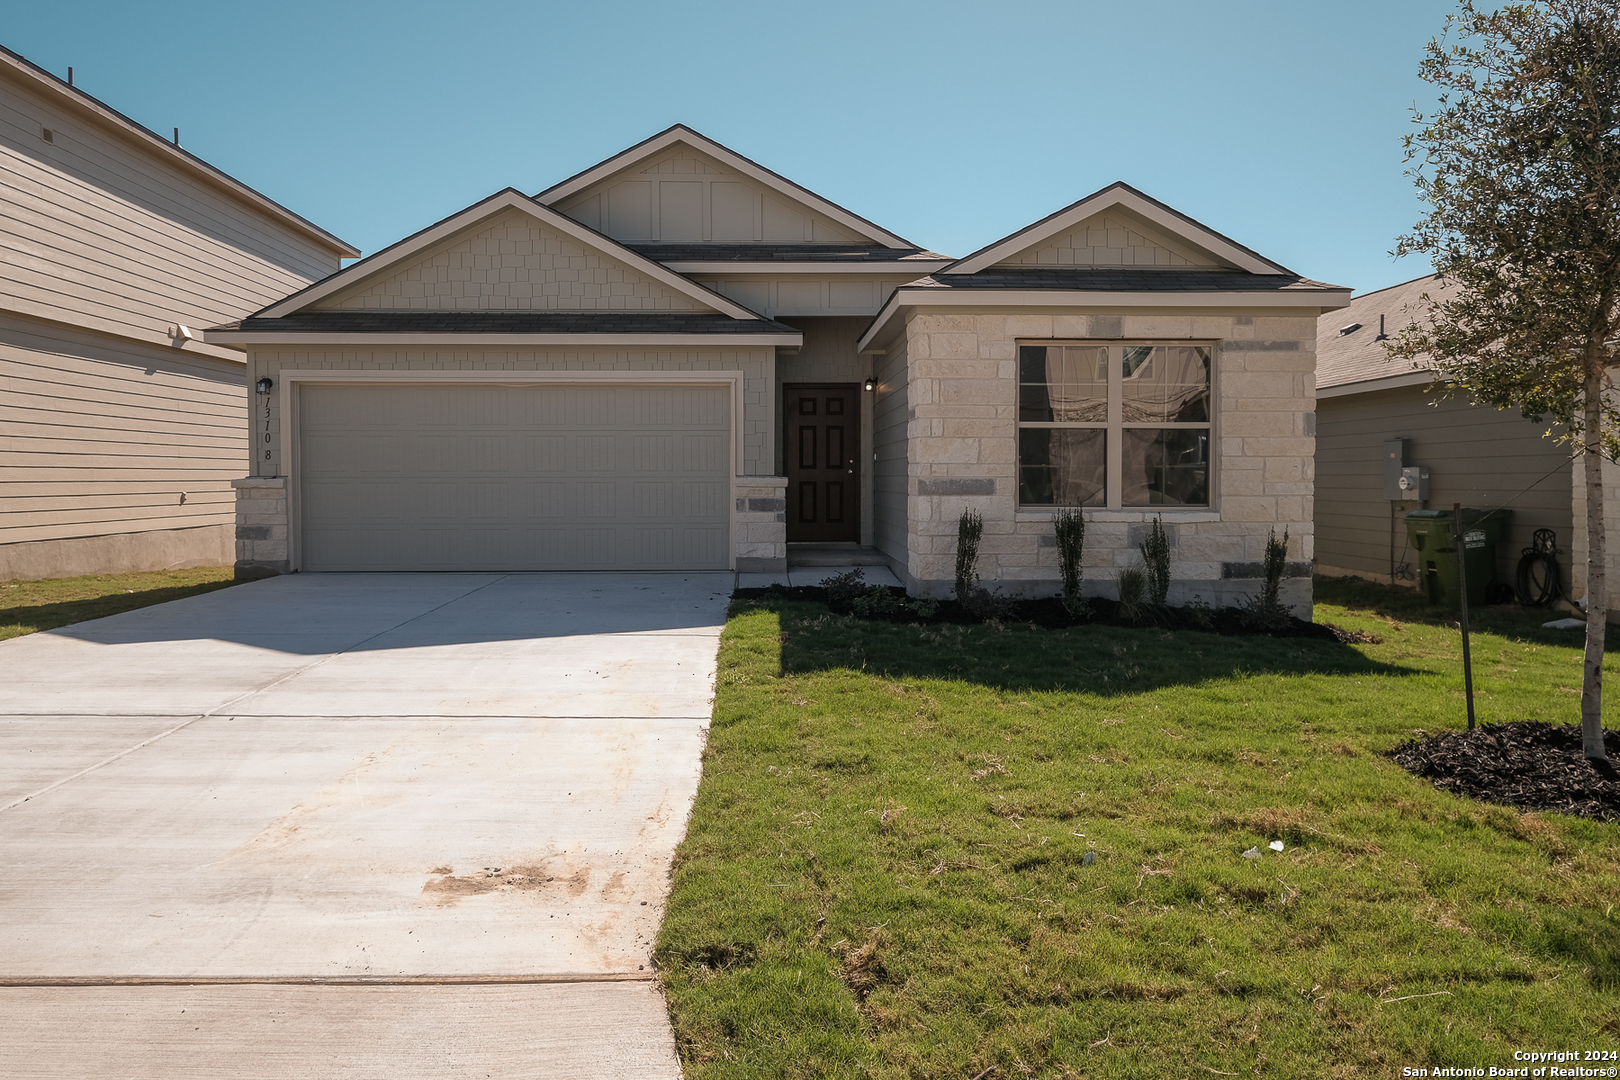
pixel 1350 353
pixel 30 74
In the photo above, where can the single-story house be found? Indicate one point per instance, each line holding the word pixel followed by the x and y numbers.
pixel 1370 408
pixel 678 359
pixel 120 429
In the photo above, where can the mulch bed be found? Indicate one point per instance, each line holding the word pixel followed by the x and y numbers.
pixel 1526 764
pixel 1049 613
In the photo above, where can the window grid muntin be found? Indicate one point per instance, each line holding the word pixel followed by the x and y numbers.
pixel 1115 426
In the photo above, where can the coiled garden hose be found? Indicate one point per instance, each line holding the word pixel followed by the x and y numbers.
pixel 1537 579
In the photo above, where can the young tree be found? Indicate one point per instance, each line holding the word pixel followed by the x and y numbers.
pixel 1520 165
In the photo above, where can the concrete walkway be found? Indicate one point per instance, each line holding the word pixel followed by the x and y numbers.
pixel 352 825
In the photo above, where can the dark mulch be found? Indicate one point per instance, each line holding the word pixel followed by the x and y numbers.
pixel 1049 613
pixel 1527 764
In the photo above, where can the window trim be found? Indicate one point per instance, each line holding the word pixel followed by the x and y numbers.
pixel 1115 426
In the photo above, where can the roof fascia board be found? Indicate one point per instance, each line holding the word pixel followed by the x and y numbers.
pixel 914 266
pixel 29 74
pixel 501 201
pixel 1370 386
pixel 679 133
pixel 1321 300
pixel 353 340
pixel 1121 195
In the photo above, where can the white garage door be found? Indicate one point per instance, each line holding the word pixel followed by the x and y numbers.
pixel 514 478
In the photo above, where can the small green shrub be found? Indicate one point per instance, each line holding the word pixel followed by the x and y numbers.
pixel 1199 613
pixel 987 606
pixel 1156 563
pixel 1133 603
pixel 1071 542
pixel 844 589
pixel 894 605
pixel 969 531
pixel 1267 610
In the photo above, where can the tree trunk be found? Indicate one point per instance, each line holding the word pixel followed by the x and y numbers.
pixel 1597 600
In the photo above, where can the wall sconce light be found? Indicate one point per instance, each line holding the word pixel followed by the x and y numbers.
pixel 263 385
pixel 871 385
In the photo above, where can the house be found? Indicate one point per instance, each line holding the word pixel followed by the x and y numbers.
pixel 120 429
pixel 678 359
pixel 1473 454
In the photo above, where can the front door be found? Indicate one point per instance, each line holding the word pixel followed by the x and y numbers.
pixel 822 429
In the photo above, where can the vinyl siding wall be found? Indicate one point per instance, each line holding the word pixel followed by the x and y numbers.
pixel 1476 456
pixel 101 436
pixel 102 235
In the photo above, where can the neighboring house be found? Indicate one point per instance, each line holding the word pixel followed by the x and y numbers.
pixel 678 359
pixel 1476 455
pixel 120 430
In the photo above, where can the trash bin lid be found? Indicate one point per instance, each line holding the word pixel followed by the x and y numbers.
pixel 1429 515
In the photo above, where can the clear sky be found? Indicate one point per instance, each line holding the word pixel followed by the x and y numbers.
pixel 950 123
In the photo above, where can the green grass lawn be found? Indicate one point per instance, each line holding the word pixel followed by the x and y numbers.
pixel 27 607
pixel 886 872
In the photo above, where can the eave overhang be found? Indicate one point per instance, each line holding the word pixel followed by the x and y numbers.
pixel 1316 300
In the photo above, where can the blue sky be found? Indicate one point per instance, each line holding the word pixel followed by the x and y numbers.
pixel 952 124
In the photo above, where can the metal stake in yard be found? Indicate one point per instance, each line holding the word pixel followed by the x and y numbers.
pixel 1462 591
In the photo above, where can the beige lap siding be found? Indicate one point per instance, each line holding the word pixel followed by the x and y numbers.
pixel 962 435
pixel 102 436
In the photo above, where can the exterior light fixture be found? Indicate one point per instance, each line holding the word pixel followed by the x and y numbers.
pixel 264 384
pixel 871 385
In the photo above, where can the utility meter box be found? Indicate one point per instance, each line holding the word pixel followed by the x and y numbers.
pixel 1414 483
pixel 1394 464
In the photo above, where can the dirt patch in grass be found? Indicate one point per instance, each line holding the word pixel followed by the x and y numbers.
pixel 1527 764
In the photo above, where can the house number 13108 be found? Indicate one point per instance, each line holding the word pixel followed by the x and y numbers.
pixel 267 430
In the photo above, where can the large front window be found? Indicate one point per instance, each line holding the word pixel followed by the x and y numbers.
pixel 1117 425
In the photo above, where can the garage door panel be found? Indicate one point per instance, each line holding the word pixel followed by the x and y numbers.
pixel 537 478
pixel 703 454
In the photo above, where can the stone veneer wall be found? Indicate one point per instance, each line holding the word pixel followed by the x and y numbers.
pixel 962 439
pixel 760 523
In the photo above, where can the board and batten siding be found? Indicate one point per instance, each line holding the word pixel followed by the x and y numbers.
pixel 101 437
pixel 101 235
pixel 1478 456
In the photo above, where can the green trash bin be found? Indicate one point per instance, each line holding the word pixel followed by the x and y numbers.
pixel 1433 535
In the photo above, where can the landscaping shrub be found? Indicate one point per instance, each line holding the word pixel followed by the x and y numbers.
pixel 883 602
pixel 843 590
pixel 1071 542
pixel 969 531
pixel 1133 603
pixel 1267 609
pixel 1156 564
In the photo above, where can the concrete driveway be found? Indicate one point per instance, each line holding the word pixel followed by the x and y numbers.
pixel 344 825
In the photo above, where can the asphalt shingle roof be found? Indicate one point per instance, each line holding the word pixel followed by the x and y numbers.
pixel 507 322
pixel 1088 279
pixel 1359 356
pixel 772 252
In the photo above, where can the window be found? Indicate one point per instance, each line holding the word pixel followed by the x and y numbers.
pixel 1118 425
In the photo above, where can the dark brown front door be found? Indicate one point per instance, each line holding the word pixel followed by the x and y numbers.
pixel 822 428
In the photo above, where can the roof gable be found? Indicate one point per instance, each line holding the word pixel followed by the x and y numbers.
pixel 682 187
pixel 508 253
pixel 1134 230
pixel 1114 238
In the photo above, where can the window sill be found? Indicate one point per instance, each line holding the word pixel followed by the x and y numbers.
pixel 1170 514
